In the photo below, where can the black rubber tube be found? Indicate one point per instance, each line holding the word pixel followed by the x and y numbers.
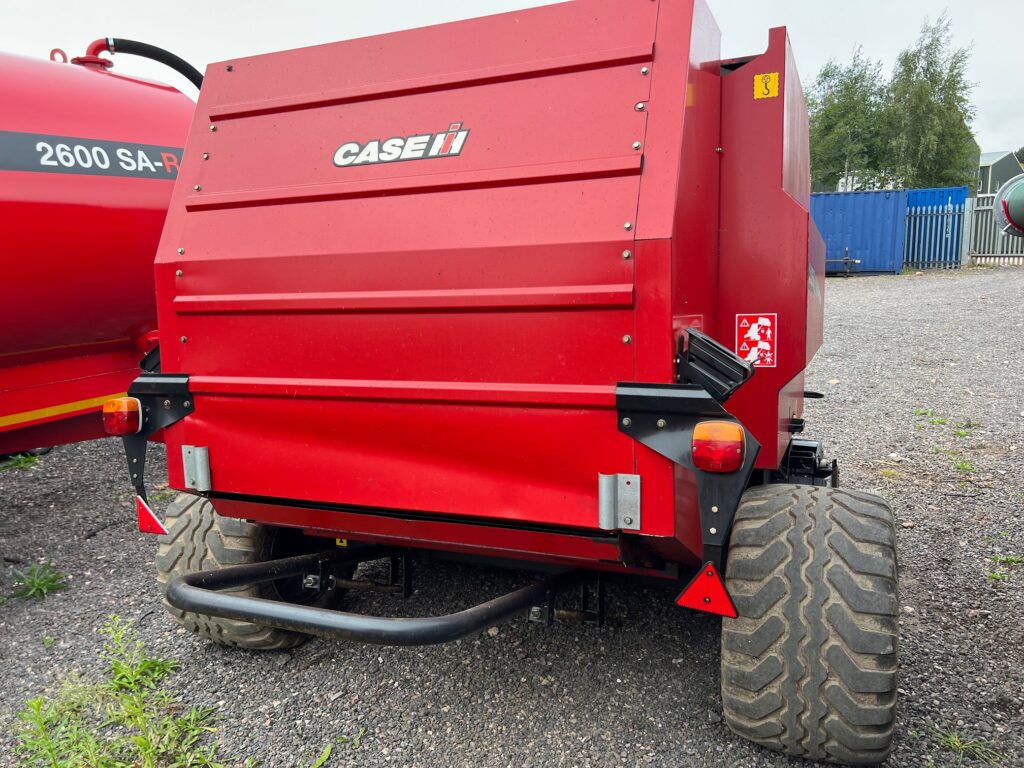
pixel 147 51
pixel 197 592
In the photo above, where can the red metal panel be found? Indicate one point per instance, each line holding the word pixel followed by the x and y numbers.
pixel 443 335
pixel 765 230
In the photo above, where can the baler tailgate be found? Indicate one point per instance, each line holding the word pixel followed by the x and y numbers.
pixel 417 275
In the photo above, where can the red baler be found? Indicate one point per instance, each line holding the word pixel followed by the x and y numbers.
pixel 539 286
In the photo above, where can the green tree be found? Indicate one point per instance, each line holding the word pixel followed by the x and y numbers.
pixel 846 104
pixel 913 130
pixel 929 112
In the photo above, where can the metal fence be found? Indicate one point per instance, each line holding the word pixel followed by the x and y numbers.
pixel 988 244
pixel 936 225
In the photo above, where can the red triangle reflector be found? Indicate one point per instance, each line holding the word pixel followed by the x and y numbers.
pixel 148 521
pixel 707 593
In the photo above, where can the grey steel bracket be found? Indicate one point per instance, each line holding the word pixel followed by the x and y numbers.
pixel 618 502
pixel 196 463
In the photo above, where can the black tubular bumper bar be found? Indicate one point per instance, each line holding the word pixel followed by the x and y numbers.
pixel 198 593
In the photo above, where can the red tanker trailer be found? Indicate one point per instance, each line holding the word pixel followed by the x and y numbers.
pixel 88 159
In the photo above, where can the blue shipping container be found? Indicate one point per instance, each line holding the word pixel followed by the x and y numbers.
pixel 869 226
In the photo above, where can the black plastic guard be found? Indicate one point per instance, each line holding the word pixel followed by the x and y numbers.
pixel 165 399
pixel 662 417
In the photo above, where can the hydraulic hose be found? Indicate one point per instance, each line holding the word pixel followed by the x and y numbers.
pixel 146 51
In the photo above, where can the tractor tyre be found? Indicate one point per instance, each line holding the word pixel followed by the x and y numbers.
pixel 199 539
pixel 809 666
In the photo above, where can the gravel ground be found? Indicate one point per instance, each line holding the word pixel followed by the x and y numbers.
pixel 907 361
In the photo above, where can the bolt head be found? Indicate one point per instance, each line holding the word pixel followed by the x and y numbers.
pixel 714 509
pixel 213 128
pixel 230 68
pixel 627 422
pixel 187 403
pixel 206 155
pixel 627 520
pixel 645 70
pixel 181 251
pixel 178 273
pixel 167 403
pixel 627 339
pixel 713 531
pixel 662 423
pixel 640 106
pixel 184 339
pixel 197 187
pixel 636 145
pixel 627 254
pixel 627 226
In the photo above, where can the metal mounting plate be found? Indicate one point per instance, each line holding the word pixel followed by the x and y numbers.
pixel 618 502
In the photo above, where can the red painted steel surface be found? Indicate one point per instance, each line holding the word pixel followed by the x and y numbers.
pixel 772 257
pixel 76 296
pixel 445 335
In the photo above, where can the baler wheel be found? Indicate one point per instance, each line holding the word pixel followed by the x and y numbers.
pixel 199 540
pixel 809 666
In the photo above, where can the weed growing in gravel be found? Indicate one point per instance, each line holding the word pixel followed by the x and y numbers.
pixel 19 461
pixel 997 575
pixel 164 495
pixel 48 642
pixel 938 421
pixel 126 719
pixel 1008 559
pixel 964 465
pixel 39 581
pixel 922 411
pixel 976 749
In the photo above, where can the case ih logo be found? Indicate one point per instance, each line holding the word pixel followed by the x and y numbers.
pixel 420 146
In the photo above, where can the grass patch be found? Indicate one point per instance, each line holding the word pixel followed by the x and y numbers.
pixel 961 432
pixel 922 411
pixel 964 465
pixel 997 575
pixel 124 719
pixel 1008 559
pixel 962 747
pixel 937 421
pixel 20 461
pixel 39 581
pixel 164 495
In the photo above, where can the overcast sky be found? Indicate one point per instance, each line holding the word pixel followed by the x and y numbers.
pixel 202 31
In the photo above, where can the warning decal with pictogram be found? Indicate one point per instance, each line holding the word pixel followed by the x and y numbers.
pixel 757 338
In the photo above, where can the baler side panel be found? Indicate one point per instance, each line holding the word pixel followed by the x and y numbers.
pixel 764 268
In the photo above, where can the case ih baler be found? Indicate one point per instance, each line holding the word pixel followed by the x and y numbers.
pixel 541 287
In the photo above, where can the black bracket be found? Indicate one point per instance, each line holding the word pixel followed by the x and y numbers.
pixel 591 610
pixel 165 400
pixel 662 417
pixel 708 364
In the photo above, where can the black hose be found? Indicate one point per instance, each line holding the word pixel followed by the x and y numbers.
pixel 147 51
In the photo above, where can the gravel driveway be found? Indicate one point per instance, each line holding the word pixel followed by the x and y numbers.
pixel 924 384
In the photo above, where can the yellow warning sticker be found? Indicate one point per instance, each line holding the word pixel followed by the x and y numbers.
pixel 341 542
pixel 766 85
